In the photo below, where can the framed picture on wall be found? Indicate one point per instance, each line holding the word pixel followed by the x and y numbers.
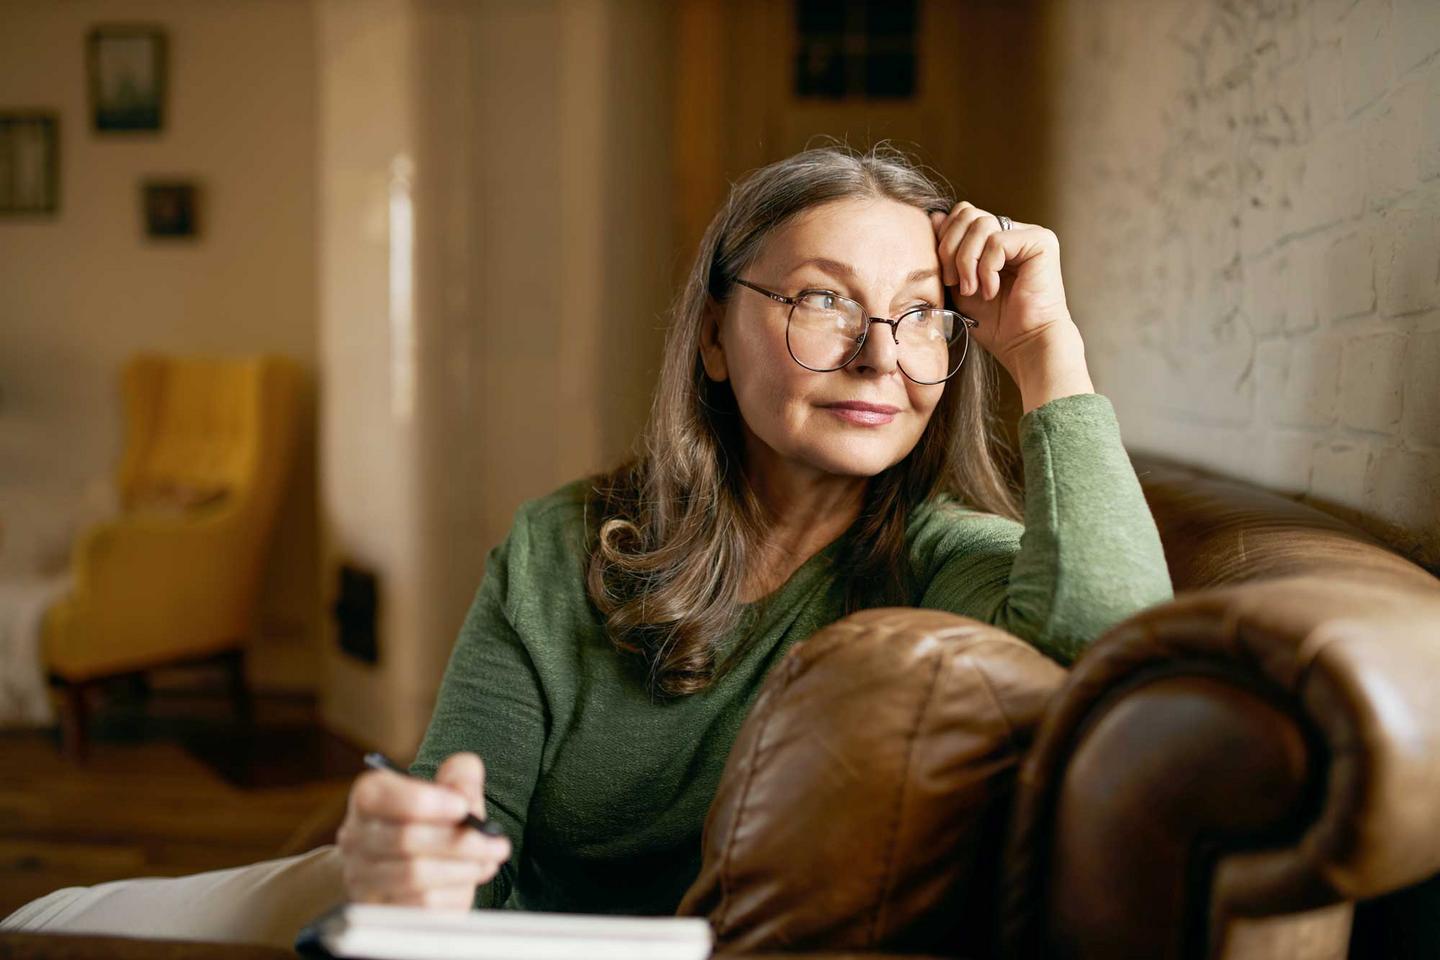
pixel 29 162
pixel 170 208
pixel 126 63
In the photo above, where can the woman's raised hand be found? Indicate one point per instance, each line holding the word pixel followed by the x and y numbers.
pixel 403 841
pixel 1008 280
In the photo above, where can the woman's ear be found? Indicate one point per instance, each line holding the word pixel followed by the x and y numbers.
pixel 712 352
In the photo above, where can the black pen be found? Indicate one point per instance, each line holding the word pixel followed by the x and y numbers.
pixel 381 762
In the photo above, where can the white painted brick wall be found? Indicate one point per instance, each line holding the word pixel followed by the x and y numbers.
pixel 1416 25
pixel 1370 373
pixel 1339 471
pixel 1248 197
pixel 1422 391
pixel 1430 126
pixel 1349 277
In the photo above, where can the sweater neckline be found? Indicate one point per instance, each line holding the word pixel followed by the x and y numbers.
pixel 801 575
pixel 804 572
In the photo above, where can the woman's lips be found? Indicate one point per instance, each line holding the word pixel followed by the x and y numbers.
pixel 866 415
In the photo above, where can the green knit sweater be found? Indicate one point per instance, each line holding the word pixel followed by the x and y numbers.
pixel 603 790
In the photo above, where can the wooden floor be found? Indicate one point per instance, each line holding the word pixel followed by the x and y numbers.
pixel 173 784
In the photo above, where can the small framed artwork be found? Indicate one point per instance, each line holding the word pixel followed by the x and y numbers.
pixel 856 49
pixel 127 77
pixel 170 208
pixel 29 162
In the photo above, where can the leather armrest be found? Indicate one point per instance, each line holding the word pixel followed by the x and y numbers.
pixel 863 802
pixel 1275 743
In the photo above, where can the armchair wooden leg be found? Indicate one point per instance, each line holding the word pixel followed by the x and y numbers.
pixel 239 691
pixel 137 687
pixel 73 718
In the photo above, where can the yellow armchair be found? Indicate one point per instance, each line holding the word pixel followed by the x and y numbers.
pixel 175 576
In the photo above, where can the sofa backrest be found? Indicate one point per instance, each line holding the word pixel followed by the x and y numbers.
pixel 1217 531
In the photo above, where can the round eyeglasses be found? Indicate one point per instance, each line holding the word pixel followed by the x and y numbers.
pixel 826 331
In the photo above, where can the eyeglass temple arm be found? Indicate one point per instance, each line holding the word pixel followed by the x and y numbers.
pixel 769 293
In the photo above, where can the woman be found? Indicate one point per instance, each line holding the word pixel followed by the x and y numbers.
pixel 819 442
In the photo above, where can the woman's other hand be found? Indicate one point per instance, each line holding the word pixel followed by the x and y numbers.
pixel 1009 281
pixel 403 840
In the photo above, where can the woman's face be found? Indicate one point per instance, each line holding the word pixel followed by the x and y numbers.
pixel 877 251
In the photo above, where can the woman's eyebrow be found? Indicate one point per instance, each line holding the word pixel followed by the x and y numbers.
pixel 846 272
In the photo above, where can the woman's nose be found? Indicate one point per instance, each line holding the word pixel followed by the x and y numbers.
pixel 879 352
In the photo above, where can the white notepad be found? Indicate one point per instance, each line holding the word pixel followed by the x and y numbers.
pixel 386 932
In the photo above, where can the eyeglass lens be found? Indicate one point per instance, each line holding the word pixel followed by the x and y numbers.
pixel 826 332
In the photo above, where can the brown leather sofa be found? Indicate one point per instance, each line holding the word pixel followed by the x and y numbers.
pixel 1249 771
pixel 1225 776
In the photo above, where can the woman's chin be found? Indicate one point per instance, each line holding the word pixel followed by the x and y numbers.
pixel 857 458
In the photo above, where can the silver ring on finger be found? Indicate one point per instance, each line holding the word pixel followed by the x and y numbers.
pixel 1005 221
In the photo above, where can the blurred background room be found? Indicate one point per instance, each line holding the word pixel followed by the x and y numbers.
pixel 300 299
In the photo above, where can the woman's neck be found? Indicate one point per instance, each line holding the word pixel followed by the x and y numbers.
pixel 805 513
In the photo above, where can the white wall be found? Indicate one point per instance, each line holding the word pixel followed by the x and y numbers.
pixel 538 151
pixel 1248 205
pixel 535 139
pixel 83 290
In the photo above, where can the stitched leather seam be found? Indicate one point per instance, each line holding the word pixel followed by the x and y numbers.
pixel 995 702
pixel 887 883
pixel 726 881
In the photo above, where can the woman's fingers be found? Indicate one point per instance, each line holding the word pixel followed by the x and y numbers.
pixel 416 863
pixel 421 882
pixel 383 793
pixel 955 270
pixel 404 840
pixel 465 772
pixel 962 235
pixel 955 212
pixel 949 240
pixel 1012 248
pixel 946 243
pixel 973 249
pixel 380 839
pixel 978 231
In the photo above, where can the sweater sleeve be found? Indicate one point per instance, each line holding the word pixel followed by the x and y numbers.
pixel 490 702
pixel 1088 554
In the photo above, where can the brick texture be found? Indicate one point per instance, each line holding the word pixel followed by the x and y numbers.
pixel 1269 303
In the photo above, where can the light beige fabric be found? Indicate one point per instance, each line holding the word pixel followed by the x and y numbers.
pixel 266 902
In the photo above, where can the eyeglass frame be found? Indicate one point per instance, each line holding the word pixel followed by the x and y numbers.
pixel 894 325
